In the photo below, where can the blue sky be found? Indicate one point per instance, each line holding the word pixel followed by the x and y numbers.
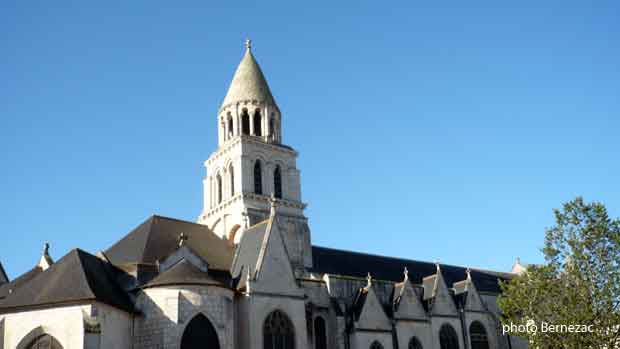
pixel 427 131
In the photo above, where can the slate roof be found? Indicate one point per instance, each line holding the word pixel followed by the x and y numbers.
pixel 339 262
pixel 185 273
pixel 248 83
pixel 248 250
pixel 157 237
pixel 19 281
pixel 77 277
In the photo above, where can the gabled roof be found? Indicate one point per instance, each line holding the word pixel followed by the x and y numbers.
pixel 339 262
pixel 5 289
pixel 185 273
pixel 248 83
pixel 157 237
pixel 248 251
pixel 77 277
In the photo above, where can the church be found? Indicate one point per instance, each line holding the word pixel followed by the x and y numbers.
pixel 246 275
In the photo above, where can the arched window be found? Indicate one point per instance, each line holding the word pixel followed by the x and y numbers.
pixel 200 333
pixel 277 182
pixel 478 335
pixel 272 125
pixel 376 345
pixel 257 123
pixel 278 332
pixel 245 122
pixel 219 188
pixel 448 338
pixel 258 178
pixel 231 170
pixel 320 333
pixel 44 342
pixel 230 127
pixel 414 343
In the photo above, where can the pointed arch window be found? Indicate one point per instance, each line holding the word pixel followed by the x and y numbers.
pixel 245 122
pixel 231 170
pixel 200 333
pixel 414 343
pixel 478 335
pixel 448 338
pixel 320 333
pixel 272 125
pixel 258 119
pixel 230 127
pixel 277 182
pixel 258 178
pixel 278 332
pixel 45 342
pixel 219 188
pixel 376 345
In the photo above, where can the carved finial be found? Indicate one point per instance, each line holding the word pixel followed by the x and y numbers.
pixel 46 261
pixel 248 44
pixel 274 204
pixel 468 272
pixel 406 272
pixel 182 239
pixel 369 279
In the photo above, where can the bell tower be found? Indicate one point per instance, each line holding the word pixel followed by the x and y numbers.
pixel 252 165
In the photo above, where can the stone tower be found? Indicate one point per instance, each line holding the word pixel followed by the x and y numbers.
pixel 252 165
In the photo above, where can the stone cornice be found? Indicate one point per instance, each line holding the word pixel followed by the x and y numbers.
pixel 228 145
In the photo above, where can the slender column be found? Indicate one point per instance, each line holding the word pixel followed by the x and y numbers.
pixel 251 122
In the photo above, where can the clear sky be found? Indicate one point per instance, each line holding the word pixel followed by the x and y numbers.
pixel 427 131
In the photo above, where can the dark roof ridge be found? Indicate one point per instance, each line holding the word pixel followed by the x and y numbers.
pixel 79 253
pixel 397 258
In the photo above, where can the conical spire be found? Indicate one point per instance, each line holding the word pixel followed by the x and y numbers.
pixel 248 83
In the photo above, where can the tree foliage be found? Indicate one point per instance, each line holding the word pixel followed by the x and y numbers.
pixel 579 283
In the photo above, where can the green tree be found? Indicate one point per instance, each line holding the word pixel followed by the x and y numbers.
pixel 579 283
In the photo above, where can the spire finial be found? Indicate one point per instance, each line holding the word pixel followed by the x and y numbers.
pixel 248 44
pixel 46 248
pixel 182 239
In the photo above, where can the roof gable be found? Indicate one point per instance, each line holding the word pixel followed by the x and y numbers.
pixel 185 272
pixel 273 270
pixel 408 304
pixel 441 300
pixel 371 315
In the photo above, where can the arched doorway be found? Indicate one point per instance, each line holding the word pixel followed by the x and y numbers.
pixel 200 334
pixel 478 335
pixel 44 342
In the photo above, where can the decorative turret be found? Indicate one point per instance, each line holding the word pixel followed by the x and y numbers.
pixel 249 108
